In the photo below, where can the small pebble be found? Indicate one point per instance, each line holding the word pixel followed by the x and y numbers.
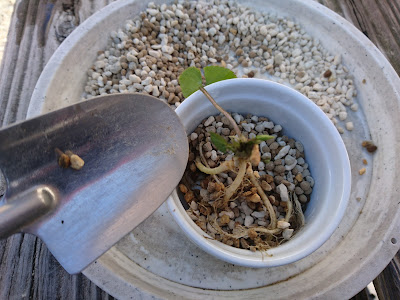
pixel 193 136
pixel 283 224
pixel 370 146
pixel 283 192
pixel 209 121
pixel 349 126
pixel 282 152
pixel 248 221
pixel 287 233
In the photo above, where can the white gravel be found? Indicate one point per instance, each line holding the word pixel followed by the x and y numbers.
pixel 167 39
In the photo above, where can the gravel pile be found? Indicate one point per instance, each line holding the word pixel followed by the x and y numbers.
pixel 282 173
pixel 148 54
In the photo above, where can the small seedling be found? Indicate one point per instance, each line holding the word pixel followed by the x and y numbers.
pixel 246 154
pixel 192 81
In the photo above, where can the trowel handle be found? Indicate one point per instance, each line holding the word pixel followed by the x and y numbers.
pixel 24 209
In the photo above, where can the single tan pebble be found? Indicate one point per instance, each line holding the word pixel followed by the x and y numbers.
pixel 354 107
pixel 189 196
pixel 183 188
pixel 76 162
pixel 299 177
pixel 64 161
pixel 283 224
pixel 255 157
pixel 340 129
pixel 266 186
pixel 255 198
pixel 365 162
pixel 224 220
pixel 349 126
pixel 362 171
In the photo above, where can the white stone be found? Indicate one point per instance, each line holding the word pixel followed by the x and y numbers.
pixel 349 126
pixel 248 126
pixel 283 224
pixel 287 233
pixel 209 121
pixel 155 92
pixel 248 221
pixel 148 88
pixel 264 30
pixel 283 192
pixel 212 31
pixel 193 136
pixel 282 152
pixel 155 53
pixel 259 214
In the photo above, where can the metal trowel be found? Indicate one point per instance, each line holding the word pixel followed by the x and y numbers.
pixel 135 151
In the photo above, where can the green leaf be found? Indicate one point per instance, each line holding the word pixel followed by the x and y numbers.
pixel 263 137
pixel 217 73
pixel 219 142
pixel 190 81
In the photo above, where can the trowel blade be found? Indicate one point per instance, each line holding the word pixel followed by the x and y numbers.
pixel 135 151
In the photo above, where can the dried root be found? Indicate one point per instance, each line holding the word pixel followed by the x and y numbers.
pixel 204 161
pixel 245 187
pixel 264 197
pixel 223 167
pixel 237 182
pixel 298 211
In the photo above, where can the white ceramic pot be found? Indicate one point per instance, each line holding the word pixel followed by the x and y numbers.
pixel 325 153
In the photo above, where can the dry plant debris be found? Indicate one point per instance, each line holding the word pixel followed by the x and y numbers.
pixel 370 146
pixel 253 206
pixel 69 159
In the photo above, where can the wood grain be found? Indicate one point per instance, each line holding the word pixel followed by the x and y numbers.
pixel 27 269
pixel 378 20
pixel 387 284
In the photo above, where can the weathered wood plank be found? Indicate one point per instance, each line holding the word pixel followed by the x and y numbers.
pixel 27 269
pixel 363 295
pixel 378 20
pixel 387 284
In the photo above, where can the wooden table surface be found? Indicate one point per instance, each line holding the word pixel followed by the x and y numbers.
pixel 27 269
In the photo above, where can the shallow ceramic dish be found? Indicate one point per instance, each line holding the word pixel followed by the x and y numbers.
pixel 325 153
pixel 156 260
